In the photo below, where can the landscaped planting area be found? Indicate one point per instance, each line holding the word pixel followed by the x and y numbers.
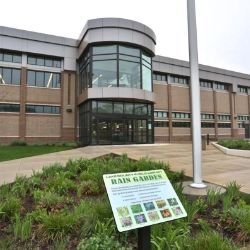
pixel 68 208
pixel 235 144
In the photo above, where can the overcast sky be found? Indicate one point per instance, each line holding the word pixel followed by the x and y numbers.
pixel 223 25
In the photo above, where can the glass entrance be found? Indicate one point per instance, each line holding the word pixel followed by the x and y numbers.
pixel 121 131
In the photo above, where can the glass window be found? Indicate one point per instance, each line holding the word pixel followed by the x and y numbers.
pixel 164 78
pixel 146 78
pixel 47 109
pixel 158 77
pixel 94 106
pixel 17 59
pixel 128 108
pixel 141 109
pixel 48 79
pixel 130 74
pixel 39 109
pixel 104 57
pixel 57 63
pixel 105 107
pixel 7 57
pixel 129 51
pixel 118 107
pixel 40 61
pixel 48 62
pixel 56 80
pixel 40 79
pixel 31 79
pixel 146 57
pixel 129 58
pixel 7 75
pixel 108 49
pixel 31 60
pixel 1 56
pixel 104 74
pixel 16 76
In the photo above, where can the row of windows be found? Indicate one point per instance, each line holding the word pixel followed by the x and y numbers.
pixel 44 61
pixel 180 115
pixel 121 108
pixel 43 109
pixel 187 124
pixel 242 89
pixel 159 77
pixel 223 117
pixel 160 114
pixel 243 117
pixel 205 84
pixel 7 107
pixel 43 79
pixel 10 57
pixel 177 79
pixel 10 76
pixel 207 116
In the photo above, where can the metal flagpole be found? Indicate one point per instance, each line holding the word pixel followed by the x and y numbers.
pixel 195 96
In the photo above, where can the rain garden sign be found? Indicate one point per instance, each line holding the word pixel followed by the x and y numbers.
pixel 140 199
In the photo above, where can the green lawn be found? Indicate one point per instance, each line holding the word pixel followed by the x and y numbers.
pixel 16 152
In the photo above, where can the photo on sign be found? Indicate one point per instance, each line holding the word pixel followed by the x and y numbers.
pixel 153 216
pixel 122 211
pixel 165 213
pixel 172 202
pixel 177 211
pixel 126 222
pixel 149 206
pixel 136 208
pixel 161 203
pixel 140 218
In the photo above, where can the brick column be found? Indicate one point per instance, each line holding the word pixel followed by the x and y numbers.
pixel 170 112
pixel 23 91
pixel 215 114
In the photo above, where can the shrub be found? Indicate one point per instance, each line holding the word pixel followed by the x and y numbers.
pixel 233 189
pixel 9 207
pixel 18 143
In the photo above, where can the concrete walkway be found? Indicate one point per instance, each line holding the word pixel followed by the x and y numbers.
pixel 218 168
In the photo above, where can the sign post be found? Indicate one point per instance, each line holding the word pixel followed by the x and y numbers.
pixel 141 199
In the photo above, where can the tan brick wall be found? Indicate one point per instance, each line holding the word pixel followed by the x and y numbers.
pixel 242 104
pixel 43 95
pixel 224 132
pixel 181 131
pixel 161 96
pixel 207 101
pixel 161 131
pixel 68 100
pixel 180 99
pixel 223 103
pixel 9 93
pixel 42 125
pixel 9 124
pixel 210 131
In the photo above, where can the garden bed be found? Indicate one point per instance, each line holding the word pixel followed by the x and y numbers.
pixel 65 207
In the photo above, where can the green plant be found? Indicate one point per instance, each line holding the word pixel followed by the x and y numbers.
pixel 201 205
pixel 22 228
pixel 204 225
pixel 215 213
pixel 55 226
pixel 172 239
pixel 18 143
pixel 5 191
pixel 88 187
pixel 9 207
pixel 209 241
pixel 47 200
pixel 246 198
pixel 191 210
pixel 226 202
pixel 233 189
pixel 52 170
pixel 213 195
pixel 101 241
pixel 20 186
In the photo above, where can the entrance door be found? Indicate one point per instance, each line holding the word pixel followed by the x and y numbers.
pixel 117 131
pixel 140 131
pixel 104 129
pixel 129 132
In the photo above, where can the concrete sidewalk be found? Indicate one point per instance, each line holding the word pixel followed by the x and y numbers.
pixel 218 168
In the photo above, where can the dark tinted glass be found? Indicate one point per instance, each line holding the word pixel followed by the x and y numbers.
pixel 16 76
pixel 17 58
pixel 7 75
pixel 31 79
pixel 105 107
pixel 57 63
pixel 31 60
pixel 47 109
pixel 128 108
pixel 40 79
pixel 1 56
pixel 104 49
pixel 7 57
pixel 39 109
pixel 48 63
pixel 40 61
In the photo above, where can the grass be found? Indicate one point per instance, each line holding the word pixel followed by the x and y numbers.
pixel 8 153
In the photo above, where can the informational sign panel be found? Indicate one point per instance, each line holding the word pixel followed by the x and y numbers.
pixel 140 199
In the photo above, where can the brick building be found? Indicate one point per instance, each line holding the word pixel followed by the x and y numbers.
pixel 109 87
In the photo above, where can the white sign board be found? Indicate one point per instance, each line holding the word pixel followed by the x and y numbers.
pixel 140 199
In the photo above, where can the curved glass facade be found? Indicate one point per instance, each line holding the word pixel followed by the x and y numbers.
pixel 115 66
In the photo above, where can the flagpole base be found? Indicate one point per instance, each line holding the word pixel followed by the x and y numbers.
pixel 198 185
